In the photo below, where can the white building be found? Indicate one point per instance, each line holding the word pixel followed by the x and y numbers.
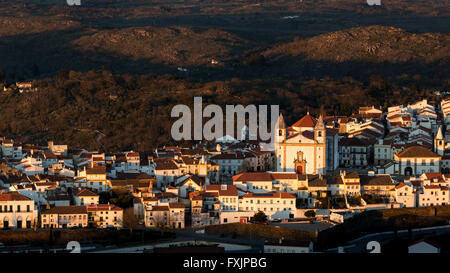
pixel 413 161
pixel 17 211
pixel 301 147
pixel 274 205
pixel 433 195
pixel 405 195
pixel 171 215
pixel 65 217
pixel 93 178
pixel 227 195
pixel 105 215
pixel 86 197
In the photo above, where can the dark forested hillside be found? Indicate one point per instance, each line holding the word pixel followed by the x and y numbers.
pixel 99 110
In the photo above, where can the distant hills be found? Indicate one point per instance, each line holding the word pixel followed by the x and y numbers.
pixel 367 44
pixel 11 26
pixel 251 39
pixel 164 45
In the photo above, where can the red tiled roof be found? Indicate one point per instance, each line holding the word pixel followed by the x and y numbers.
pixel 96 170
pixel 417 151
pixel 259 176
pixel 163 164
pixel 263 176
pixel 177 205
pixel 284 176
pixel 230 190
pixel 433 175
pixel 86 192
pixel 160 208
pixel 103 207
pixel 67 210
pixel 150 199
pixel 283 195
pixel 400 185
pixel 13 196
pixel 431 187
pixel 306 121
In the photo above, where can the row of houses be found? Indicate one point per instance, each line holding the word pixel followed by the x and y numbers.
pixel 19 211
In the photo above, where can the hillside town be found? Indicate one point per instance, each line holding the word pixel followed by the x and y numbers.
pixel 334 166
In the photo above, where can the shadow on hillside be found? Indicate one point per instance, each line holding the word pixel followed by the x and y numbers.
pixel 380 221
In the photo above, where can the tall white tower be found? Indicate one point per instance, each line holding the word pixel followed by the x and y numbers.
pixel 319 131
pixel 280 137
pixel 439 142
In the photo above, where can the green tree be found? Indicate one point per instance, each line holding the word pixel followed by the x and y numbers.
pixel 310 213
pixel 260 217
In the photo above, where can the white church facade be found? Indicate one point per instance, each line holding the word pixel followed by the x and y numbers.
pixel 301 147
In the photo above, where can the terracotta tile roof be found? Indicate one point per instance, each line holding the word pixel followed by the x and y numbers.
pixel 162 195
pixel 433 175
pixel 96 170
pixel 132 154
pixel 432 187
pixel 380 180
pixel 160 208
pixel 198 180
pixel 86 192
pixel 150 199
pixel 259 176
pixel 417 151
pixel 351 175
pixel 306 121
pixel 282 195
pixel 67 210
pixel 264 176
pixel 177 205
pixel 165 164
pixel 277 176
pixel 50 156
pixel 334 180
pixel 103 207
pixel 317 182
pixel 13 196
pixel 230 190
